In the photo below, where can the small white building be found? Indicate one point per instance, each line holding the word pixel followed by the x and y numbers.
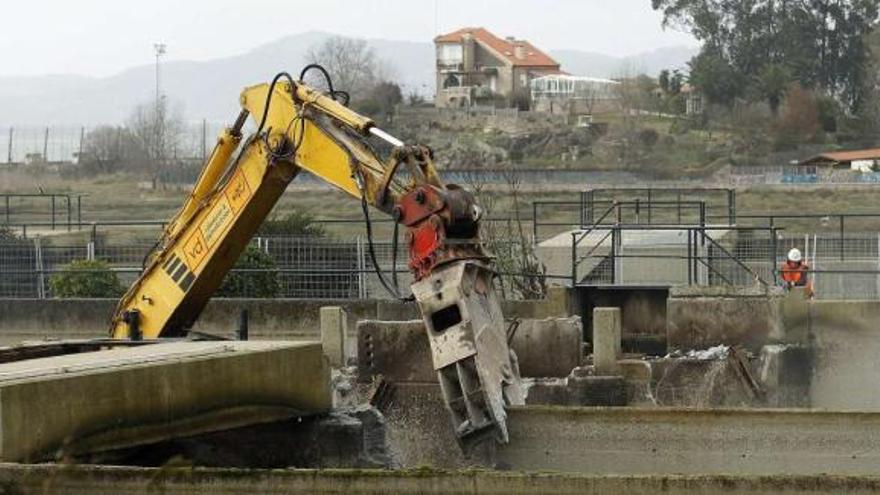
pixel 573 95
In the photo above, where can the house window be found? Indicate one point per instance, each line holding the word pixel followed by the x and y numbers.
pixel 449 54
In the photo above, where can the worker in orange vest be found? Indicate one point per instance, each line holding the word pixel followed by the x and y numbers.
pixel 795 272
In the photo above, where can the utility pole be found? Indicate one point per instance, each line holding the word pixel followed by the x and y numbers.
pixel 9 151
pixel 158 123
pixel 159 49
pixel 46 146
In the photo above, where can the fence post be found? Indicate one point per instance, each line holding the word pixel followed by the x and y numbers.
pixel 678 207
pixel 362 290
pixel 535 223
pixel 52 200
pixel 7 209
pixel 69 213
pixel 842 230
pixel 614 235
pixel 731 206
pixel 38 264
pixel 773 248
pixel 689 254
pixel 574 260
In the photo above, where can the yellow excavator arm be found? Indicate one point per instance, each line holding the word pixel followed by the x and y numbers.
pixel 300 128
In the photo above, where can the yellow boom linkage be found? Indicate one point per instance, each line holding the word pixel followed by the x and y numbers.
pixel 301 128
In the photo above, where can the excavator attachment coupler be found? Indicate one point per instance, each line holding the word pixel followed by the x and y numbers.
pixel 478 373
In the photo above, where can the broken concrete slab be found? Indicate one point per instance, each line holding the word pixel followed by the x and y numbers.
pixel 584 391
pixel 399 351
pixel 119 398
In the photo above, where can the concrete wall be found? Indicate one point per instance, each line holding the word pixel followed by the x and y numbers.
pixel 701 317
pixel 846 338
pixel 99 480
pixel 32 319
pixel 628 441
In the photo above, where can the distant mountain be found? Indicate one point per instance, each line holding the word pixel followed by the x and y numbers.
pixel 209 89
pixel 598 65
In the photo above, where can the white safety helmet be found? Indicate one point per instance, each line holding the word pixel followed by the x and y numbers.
pixel 794 255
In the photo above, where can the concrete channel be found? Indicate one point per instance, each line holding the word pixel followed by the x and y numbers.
pixel 91 480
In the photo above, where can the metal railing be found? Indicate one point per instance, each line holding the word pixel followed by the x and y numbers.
pixel 699 257
pixel 70 208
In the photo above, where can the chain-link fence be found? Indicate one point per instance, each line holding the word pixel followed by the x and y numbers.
pixel 63 144
pixel 302 268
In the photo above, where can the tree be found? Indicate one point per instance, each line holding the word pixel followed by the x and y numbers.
pixel 7 234
pixel 380 101
pixel 295 223
pixel 822 42
pixel 351 63
pixel 719 81
pixel 108 149
pixel 157 131
pixel 86 278
pixel 799 122
pixel 663 80
pixel 772 84
pixel 676 82
pixel 258 284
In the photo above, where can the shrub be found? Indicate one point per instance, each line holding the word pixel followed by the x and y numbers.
pixel 262 284
pixel 295 223
pixel 7 234
pixel 85 278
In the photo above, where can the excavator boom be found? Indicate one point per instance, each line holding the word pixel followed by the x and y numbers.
pixel 300 128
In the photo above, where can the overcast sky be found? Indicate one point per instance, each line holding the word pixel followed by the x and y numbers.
pixel 102 37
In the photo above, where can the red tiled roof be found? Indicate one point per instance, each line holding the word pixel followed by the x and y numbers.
pixel 848 156
pixel 533 57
